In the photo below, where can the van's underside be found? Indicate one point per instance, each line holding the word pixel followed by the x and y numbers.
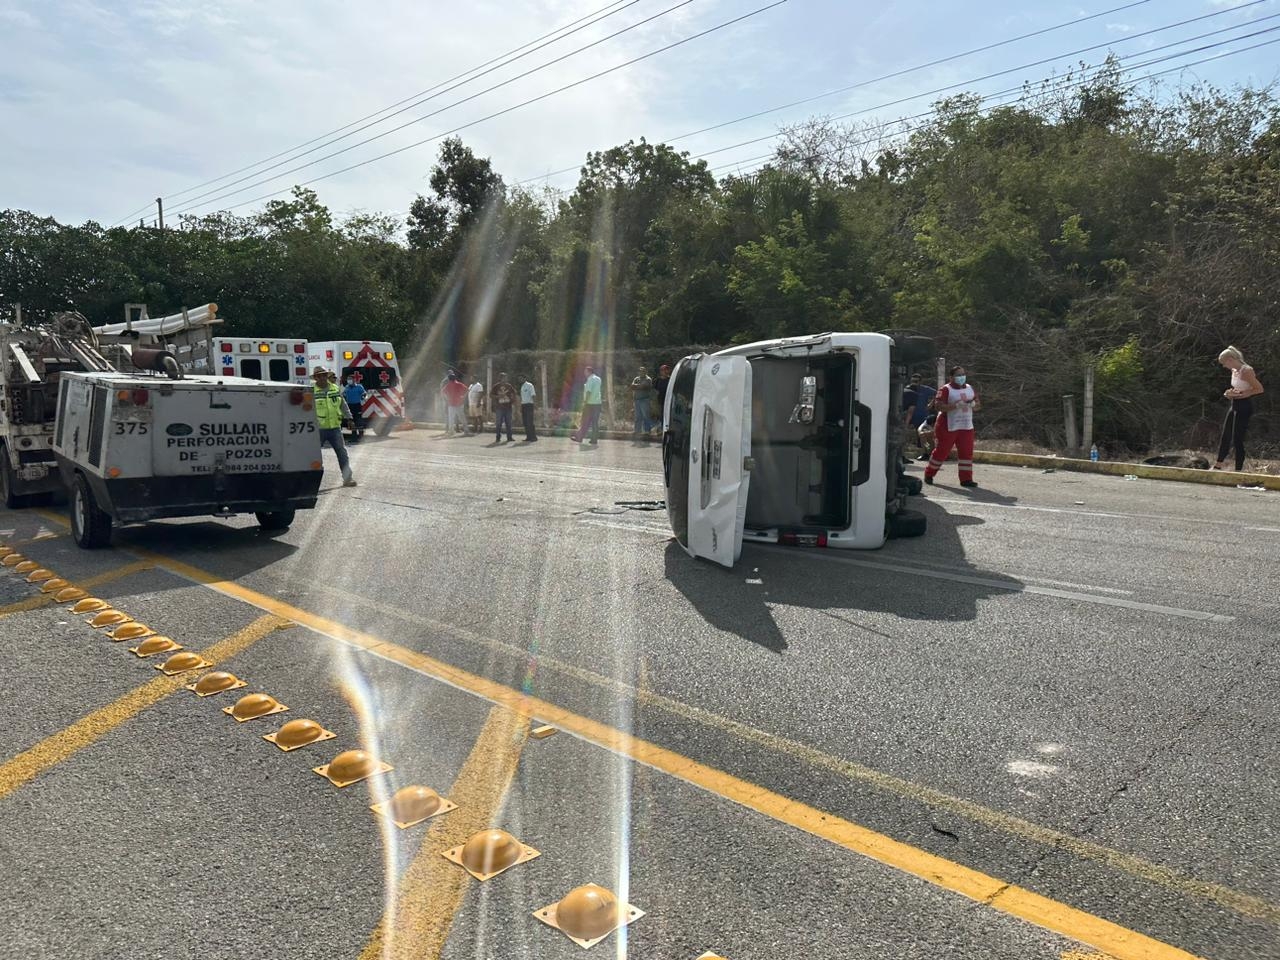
pixel 801 480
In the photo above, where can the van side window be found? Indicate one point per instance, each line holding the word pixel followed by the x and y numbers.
pixel 279 369
pixel 251 367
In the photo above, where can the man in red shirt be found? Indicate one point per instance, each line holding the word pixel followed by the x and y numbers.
pixel 455 398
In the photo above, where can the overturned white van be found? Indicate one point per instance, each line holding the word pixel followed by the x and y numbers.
pixel 790 441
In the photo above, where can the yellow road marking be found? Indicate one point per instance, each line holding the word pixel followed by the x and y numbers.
pixel 38 538
pixel 1120 942
pixel 44 599
pixel 432 888
pixel 1242 903
pixel 91 728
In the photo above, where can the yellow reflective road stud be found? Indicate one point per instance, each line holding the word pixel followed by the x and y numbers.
pixel 40 575
pixel 12 560
pixel 89 605
pixel 215 682
pixel 352 766
pixel 69 594
pixel 254 705
pixel 25 567
pixel 153 645
pixel 130 631
pixel 410 806
pixel 297 734
pixel 182 663
pixel 489 853
pixel 56 585
pixel 588 914
pixel 109 618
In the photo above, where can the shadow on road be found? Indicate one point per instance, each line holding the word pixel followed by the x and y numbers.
pixel 840 583
pixel 231 552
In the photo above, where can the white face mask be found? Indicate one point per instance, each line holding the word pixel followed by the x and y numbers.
pixel 960 380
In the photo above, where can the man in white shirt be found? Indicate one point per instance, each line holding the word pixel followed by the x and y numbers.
pixel 475 404
pixel 527 396
pixel 592 401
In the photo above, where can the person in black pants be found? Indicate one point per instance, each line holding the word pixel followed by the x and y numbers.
pixel 1244 387
pixel 527 397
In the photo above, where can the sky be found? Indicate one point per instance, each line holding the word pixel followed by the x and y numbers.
pixel 107 104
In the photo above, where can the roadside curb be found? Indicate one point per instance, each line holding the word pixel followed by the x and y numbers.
pixel 1216 478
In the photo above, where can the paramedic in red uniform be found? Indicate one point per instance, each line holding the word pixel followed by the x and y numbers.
pixel 955 403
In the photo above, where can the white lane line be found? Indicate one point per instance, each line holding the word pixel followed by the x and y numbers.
pixel 589 469
pixel 630 528
pixel 1012 586
pixel 1109 516
pixel 1026 579
pixel 566 476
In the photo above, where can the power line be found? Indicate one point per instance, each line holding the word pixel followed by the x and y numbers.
pixel 1141 53
pixel 532 100
pixel 1026 96
pixel 854 86
pixel 194 201
pixel 514 54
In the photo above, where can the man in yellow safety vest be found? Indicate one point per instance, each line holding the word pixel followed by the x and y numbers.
pixel 331 413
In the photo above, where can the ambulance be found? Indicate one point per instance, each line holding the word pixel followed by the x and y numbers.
pixel 794 441
pixel 374 365
pixel 274 359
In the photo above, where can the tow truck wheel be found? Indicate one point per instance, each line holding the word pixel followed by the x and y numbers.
pixel 8 482
pixel 275 519
pixel 906 523
pixel 90 526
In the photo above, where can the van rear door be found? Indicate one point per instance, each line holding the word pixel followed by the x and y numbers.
pixel 706 452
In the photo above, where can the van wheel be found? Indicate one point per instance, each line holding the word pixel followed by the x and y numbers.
pixel 275 519
pixel 90 526
pixel 8 481
pixel 913 485
pixel 906 523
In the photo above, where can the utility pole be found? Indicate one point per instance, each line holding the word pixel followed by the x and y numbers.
pixel 1088 408
pixel 1069 421
pixel 160 212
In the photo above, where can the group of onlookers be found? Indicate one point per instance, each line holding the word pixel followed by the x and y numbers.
pixel 465 402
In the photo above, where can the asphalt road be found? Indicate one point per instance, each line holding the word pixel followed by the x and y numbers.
pixel 1046 728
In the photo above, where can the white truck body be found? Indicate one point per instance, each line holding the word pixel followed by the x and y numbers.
pixel 376 365
pixel 150 447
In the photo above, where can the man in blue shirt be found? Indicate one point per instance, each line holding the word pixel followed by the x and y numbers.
pixel 354 393
pixel 915 403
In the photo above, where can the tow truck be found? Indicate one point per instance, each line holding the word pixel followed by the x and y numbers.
pixel 33 359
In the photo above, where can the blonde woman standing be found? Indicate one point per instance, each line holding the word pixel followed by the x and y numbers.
pixel 1244 387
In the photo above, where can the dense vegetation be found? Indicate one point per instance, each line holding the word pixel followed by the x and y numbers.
pixel 1085 224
